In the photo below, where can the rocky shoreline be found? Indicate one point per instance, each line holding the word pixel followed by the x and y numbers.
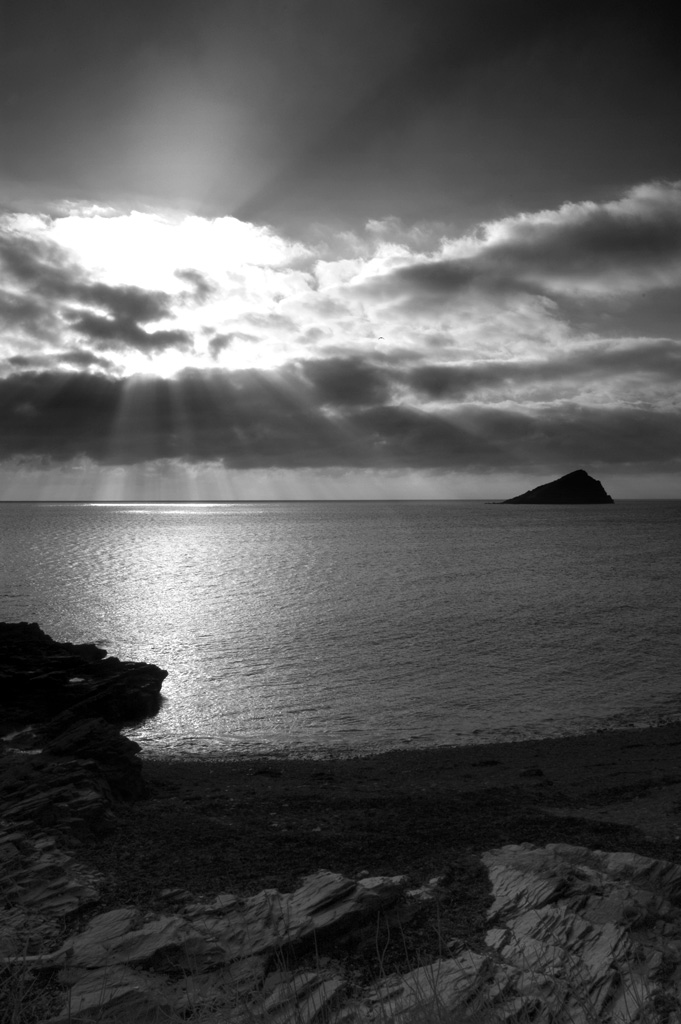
pixel 486 882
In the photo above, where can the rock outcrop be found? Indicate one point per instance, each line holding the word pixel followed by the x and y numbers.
pixel 229 951
pixel 93 739
pixel 576 488
pixel 68 762
pixel 585 935
pixel 68 795
pixel 576 935
pixel 40 677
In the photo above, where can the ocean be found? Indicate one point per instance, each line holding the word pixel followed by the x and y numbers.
pixel 323 629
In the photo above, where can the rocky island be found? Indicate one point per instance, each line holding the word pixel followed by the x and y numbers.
pixel 577 488
pixel 483 884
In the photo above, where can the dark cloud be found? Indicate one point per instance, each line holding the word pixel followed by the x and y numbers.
pixel 202 288
pixel 19 310
pixel 220 342
pixel 246 418
pixel 654 314
pixel 80 358
pixel 125 302
pixel 660 359
pixel 478 438
pixel 641 233
pixel 346 382
pixel 403 437
pixel 606 249
pixel 449 381
pixel 448 276
pixel 56 415
pixel 37 264
pixel 26 361
pixel 567 434
pixel 124 331
pixel 252 419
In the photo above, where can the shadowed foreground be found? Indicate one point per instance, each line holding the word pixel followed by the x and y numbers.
pixel 188 887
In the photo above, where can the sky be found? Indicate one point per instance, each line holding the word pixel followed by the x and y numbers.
pixel 293 249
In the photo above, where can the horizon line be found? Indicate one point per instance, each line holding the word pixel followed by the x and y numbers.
pixel 278 501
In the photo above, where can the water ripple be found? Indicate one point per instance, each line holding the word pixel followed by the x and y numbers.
pixel 346 627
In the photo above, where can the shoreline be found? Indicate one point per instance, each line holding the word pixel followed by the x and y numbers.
pixel 244 824
pixel 566 769
pixel 587 765
pixel 321 755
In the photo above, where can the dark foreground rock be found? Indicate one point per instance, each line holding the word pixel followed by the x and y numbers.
pixel 64 768
pixel 41 677
pixel 96 740
pixel 576 488
pixel 68 763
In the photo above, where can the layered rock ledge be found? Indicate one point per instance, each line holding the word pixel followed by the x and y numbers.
pixel 575 935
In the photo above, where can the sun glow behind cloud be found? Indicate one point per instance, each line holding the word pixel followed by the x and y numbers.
pixel 214 275
pixel 149 248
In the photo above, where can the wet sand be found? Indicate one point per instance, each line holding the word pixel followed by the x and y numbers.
pixel 600 774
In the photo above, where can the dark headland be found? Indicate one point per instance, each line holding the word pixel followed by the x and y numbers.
pixel 577 488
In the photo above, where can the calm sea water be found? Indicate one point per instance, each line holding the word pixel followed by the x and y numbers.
pixel 333 628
